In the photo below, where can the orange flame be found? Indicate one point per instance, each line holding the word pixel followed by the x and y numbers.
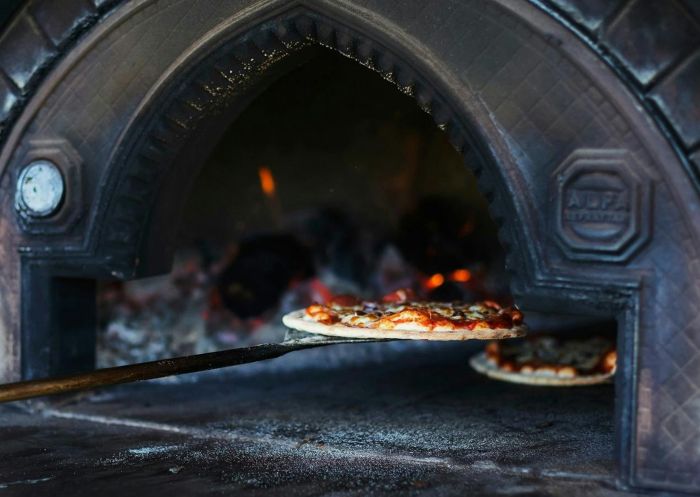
pixel 434 281
pixel 267 181
pixel 461 275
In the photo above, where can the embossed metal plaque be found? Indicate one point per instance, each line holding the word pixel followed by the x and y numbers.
pixel 602 205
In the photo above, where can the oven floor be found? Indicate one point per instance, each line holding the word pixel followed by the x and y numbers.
pixel 406 421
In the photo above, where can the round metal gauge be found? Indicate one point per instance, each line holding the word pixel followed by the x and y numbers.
pixel 40 189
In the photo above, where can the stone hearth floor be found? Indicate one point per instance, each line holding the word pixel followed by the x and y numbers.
pixel 404 420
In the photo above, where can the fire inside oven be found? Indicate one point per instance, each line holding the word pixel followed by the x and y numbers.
pixel 315 191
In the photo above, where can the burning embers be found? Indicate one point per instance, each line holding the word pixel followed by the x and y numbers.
pixel 437 280
pixel 268 186
pixel 267 181
pixel 222 297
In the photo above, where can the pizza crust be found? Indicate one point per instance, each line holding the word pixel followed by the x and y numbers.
pixel 482 365
pixel 297 320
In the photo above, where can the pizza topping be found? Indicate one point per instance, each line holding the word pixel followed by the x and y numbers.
pixel 396 314
pixel 550 356
pixel 609 363
pixel 321 314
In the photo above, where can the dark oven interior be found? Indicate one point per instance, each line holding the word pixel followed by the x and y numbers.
pixel 200 172
pixel 315 190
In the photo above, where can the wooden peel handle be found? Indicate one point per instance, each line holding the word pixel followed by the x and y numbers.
pixel 148 370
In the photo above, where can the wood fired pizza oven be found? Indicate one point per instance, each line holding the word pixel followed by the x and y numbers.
pixel 583 120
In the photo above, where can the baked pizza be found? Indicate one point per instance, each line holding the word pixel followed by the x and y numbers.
pixel 411 320
pixel 548 360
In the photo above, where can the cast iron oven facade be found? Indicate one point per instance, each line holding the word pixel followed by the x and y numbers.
pixel 582 117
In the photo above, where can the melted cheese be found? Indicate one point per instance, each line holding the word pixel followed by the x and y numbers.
pixel 425 316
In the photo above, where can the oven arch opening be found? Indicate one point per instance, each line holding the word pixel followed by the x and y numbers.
pixel 256 177
pixel 352 182
pixel 151 170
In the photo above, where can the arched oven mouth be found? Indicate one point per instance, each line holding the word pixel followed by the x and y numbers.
pixel 191 109
pixel 271 214
pixel 579 207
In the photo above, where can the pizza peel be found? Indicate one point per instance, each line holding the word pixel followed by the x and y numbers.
pixel 294 340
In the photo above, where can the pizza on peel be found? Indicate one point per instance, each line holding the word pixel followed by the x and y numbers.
pixel 400 318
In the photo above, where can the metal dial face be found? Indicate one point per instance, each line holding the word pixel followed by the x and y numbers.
pixel 40 188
